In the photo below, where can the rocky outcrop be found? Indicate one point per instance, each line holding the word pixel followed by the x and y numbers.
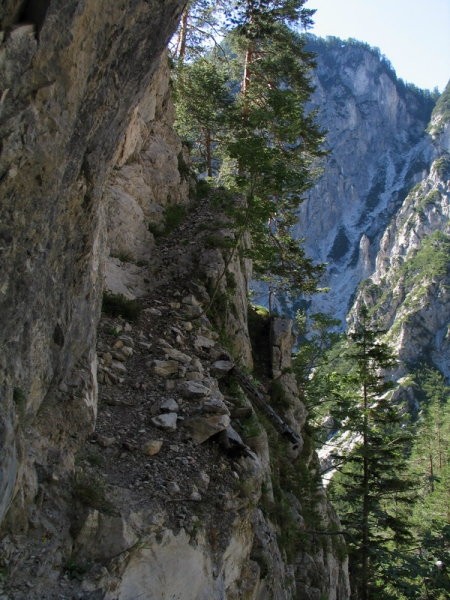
pixel 409 290
pixel 73 76
pixel 150 174
pixel 379 149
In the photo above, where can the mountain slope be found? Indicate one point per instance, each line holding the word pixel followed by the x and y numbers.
pixel 378 150
pixel 409 292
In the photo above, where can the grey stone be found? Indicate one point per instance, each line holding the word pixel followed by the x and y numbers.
pixel 167 421
pixel 194 390
pixel 165 368
pixel 169 405
pixel 177 355
pixel 215 405
pixel 221 368
pixel 152 447
pixel 202 428
pixel 173 488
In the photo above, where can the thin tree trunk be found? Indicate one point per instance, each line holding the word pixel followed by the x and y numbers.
pixel 365 507
pixel 208 152
pixel 431 472
pixel 182 37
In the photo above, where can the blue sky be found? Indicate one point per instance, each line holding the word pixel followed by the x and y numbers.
pixel 413 34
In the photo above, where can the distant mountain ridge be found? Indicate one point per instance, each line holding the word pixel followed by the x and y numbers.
pixel 378 150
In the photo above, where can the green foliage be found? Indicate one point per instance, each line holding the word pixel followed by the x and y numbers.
pixel 242 106
pixel 430 260
pixel 370 488
pixel 76 569
pixel 441 112
pixel 116 305
pixel 202 100
pixel 174 214
pixel 259 330
pixel 414 573
pixel 442 166
pixel 316 335
pixel 90 491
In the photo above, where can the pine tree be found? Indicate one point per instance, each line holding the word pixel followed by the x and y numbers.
pixel 203 101
pixel 371 486
pixel 268 143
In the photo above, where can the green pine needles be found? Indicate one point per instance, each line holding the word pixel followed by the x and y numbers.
pixel 241 105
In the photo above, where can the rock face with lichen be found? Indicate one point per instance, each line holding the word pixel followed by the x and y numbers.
pixel 73 75
pixel 134 461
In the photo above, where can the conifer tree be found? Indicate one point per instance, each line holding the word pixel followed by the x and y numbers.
pixel 371 485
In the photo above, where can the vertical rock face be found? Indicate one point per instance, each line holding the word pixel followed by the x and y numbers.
pixel 409 291
pixel 375 128
pixel 147 179
pixel 73 76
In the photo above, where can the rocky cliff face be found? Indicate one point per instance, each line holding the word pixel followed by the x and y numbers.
pixel 133 460
pixel 409 290
pixel 378 151
pixel 73 74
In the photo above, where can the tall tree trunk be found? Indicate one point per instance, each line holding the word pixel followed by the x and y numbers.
pixel 182 36
pixel 365 507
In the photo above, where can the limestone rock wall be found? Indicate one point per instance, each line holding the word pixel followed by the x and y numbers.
pixel 409 290
pixel 73 76
pixel 376 134
pixel 149 175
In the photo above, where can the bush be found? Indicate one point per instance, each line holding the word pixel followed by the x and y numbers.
pixel 116 305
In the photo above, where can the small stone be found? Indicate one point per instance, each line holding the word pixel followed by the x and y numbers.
pixel 194 389
pixel 104 441
pixel 202 428
pixel 195 495
pixel 153 311
pixel 145 345
pixel 127 351
pixel 203 480
pixel 165 368
pixel 118 366
pixel 167 421
pixel 197 365
pixel 221 368
pixel 190 300
pixel 215 405
pixel 129 446
pixel 152 447
pixel 173 488
pixel 177 355
pixel 169 405
pixel 194 376
pixel 174 305
pixel 118 344
pixel 203 342
pixel 188 326
pixel 107 359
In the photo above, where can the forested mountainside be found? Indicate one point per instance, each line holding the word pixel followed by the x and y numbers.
pixel 378 150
